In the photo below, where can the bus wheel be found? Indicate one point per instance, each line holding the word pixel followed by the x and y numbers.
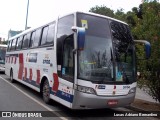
pixel 46 92
pixel 11 76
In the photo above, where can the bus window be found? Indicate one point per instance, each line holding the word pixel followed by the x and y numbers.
pixel 64 31
pixel 13 44
pixel 32 38
pixel 19 43
pixel 2 57
pixel 26 41
pixel 44 35
pixel 50 36
pixel 37 38
pixel 18 40
pixel 8 46
pixel 2 54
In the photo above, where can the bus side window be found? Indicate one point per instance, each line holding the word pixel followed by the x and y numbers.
pixel 50 35
pixel 13 44
pixel 26 41
pixel 8 46
pixel 37 38
pixel 19 43
pixel 44 35
pixel 32 38
pixel 18 39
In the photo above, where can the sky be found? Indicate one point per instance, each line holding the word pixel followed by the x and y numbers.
pixel 13 12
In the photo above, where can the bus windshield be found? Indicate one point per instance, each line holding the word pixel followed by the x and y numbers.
pixel 102 59
pixel 124 52
pixel 2 55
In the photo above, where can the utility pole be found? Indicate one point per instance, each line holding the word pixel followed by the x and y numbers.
pixel 27 15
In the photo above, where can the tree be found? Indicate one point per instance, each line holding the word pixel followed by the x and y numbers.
pixel 119 14
pixel 102 10
pixel 149 28
pixel 4 42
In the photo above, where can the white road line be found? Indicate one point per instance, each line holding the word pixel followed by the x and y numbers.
pixel 49 109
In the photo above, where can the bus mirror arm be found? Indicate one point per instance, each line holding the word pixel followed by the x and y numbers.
pixel 74 28
pixel 74 51
pixel 147 47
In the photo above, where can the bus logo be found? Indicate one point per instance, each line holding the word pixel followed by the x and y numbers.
pixel 101 86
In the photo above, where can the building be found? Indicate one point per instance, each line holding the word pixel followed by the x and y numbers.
pixel 12 33
pixel 2 38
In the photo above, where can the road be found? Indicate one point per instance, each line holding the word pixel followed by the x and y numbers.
pixel 19 98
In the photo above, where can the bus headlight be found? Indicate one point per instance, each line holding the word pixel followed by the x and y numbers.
pixel 86 89
pixel 132 90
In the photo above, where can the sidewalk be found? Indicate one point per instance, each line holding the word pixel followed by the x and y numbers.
pixel 144 102
pixel 142 95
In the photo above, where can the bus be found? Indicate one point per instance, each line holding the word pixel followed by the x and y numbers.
pixel 81 60
pixel 3 48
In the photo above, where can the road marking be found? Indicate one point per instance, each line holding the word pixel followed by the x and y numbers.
pixel 49 109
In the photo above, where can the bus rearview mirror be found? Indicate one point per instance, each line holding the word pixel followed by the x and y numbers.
pixel 80 36
pixel 147 46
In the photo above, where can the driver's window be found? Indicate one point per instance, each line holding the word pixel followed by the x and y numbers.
pixel 68 61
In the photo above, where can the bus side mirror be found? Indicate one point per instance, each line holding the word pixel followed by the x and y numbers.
pixel 147 46
pixel 80 36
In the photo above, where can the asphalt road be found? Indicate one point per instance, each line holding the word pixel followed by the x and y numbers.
pixel 16 97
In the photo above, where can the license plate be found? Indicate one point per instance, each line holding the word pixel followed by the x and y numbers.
pixel 112 102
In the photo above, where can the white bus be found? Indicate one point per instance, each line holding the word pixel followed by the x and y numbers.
pixel 2 57
pixel 81 60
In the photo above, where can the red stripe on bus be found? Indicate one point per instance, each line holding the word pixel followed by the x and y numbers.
pixel 21 66
pixel 30 75
pixel 38 77
pixel 25 73
pixel 55 83
pixel 11 59
pixel 15 60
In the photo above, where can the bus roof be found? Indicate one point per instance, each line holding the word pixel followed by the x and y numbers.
pixel 103 16
pixel 89 13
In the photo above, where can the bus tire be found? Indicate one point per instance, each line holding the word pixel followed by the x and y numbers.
pixel 11 76
pixel 46 92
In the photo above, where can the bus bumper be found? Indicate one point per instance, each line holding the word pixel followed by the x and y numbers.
pixel 90 101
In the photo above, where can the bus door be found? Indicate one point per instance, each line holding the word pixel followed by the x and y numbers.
pixel 65 60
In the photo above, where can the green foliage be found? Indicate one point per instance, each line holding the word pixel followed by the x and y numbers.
pixel 144 22
pixel 4 42
pixel 149 28
pixel 103 10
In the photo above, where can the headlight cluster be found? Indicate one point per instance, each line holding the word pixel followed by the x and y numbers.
pixel 132 90
pixel 85 89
